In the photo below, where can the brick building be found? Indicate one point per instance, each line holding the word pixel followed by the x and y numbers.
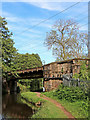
pixel 53 72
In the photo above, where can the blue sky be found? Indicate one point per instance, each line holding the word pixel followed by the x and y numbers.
pixel 23 15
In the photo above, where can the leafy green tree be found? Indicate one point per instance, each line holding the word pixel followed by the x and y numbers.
pixel 66 40
pixel 26 61
pixel 8 49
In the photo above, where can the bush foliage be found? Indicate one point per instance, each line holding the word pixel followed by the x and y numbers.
pixel 71 93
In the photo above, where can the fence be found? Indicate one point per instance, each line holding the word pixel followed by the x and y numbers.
pixel 69 81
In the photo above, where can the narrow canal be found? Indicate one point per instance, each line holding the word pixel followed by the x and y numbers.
pixel 13 107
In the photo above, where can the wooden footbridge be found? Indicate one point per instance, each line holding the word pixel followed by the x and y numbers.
pixel 51 73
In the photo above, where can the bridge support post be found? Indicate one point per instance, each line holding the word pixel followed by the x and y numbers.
pixel 13 85
pixel 5 87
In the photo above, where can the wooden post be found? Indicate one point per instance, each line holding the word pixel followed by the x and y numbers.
pixel 15 86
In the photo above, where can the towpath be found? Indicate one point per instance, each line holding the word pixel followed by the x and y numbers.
pixel 67 113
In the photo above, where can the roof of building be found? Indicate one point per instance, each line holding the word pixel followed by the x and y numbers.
pixel 66 61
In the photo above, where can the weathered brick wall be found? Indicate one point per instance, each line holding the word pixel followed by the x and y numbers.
pixel 51 84
pixel 76 66
pixel 66 68
pixel 55 70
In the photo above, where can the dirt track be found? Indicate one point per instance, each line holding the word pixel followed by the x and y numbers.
pixel 68 114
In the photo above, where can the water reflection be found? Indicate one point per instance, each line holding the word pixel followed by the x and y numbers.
pixel 12 107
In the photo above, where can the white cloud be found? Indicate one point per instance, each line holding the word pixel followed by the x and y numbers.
pixel 84 27
pixel 11 18
pixel 48 5
pixel 27 48
pixel 22 21
pixel 18 25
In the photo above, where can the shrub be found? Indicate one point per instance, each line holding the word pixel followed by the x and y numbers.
pixel 70 93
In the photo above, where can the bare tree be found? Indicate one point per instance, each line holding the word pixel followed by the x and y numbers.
pixel 66 40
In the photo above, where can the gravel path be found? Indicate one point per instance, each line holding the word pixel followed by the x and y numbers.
pixel 68 114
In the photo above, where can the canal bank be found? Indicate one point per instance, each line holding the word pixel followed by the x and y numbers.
pixel 13 106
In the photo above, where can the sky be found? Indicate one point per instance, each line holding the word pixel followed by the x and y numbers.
pixel 22 16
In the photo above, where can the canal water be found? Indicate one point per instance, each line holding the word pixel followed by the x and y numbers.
pixel 13 107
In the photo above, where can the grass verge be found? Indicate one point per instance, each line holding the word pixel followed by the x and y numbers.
pixel 47 109
pixel 31 97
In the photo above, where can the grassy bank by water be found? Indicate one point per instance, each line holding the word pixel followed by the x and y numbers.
pixel 72 99
pixel 31 97
pixel 47 109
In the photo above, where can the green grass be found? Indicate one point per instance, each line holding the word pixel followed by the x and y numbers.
pixel 31 96
pixel 47 109
pixel 75 108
